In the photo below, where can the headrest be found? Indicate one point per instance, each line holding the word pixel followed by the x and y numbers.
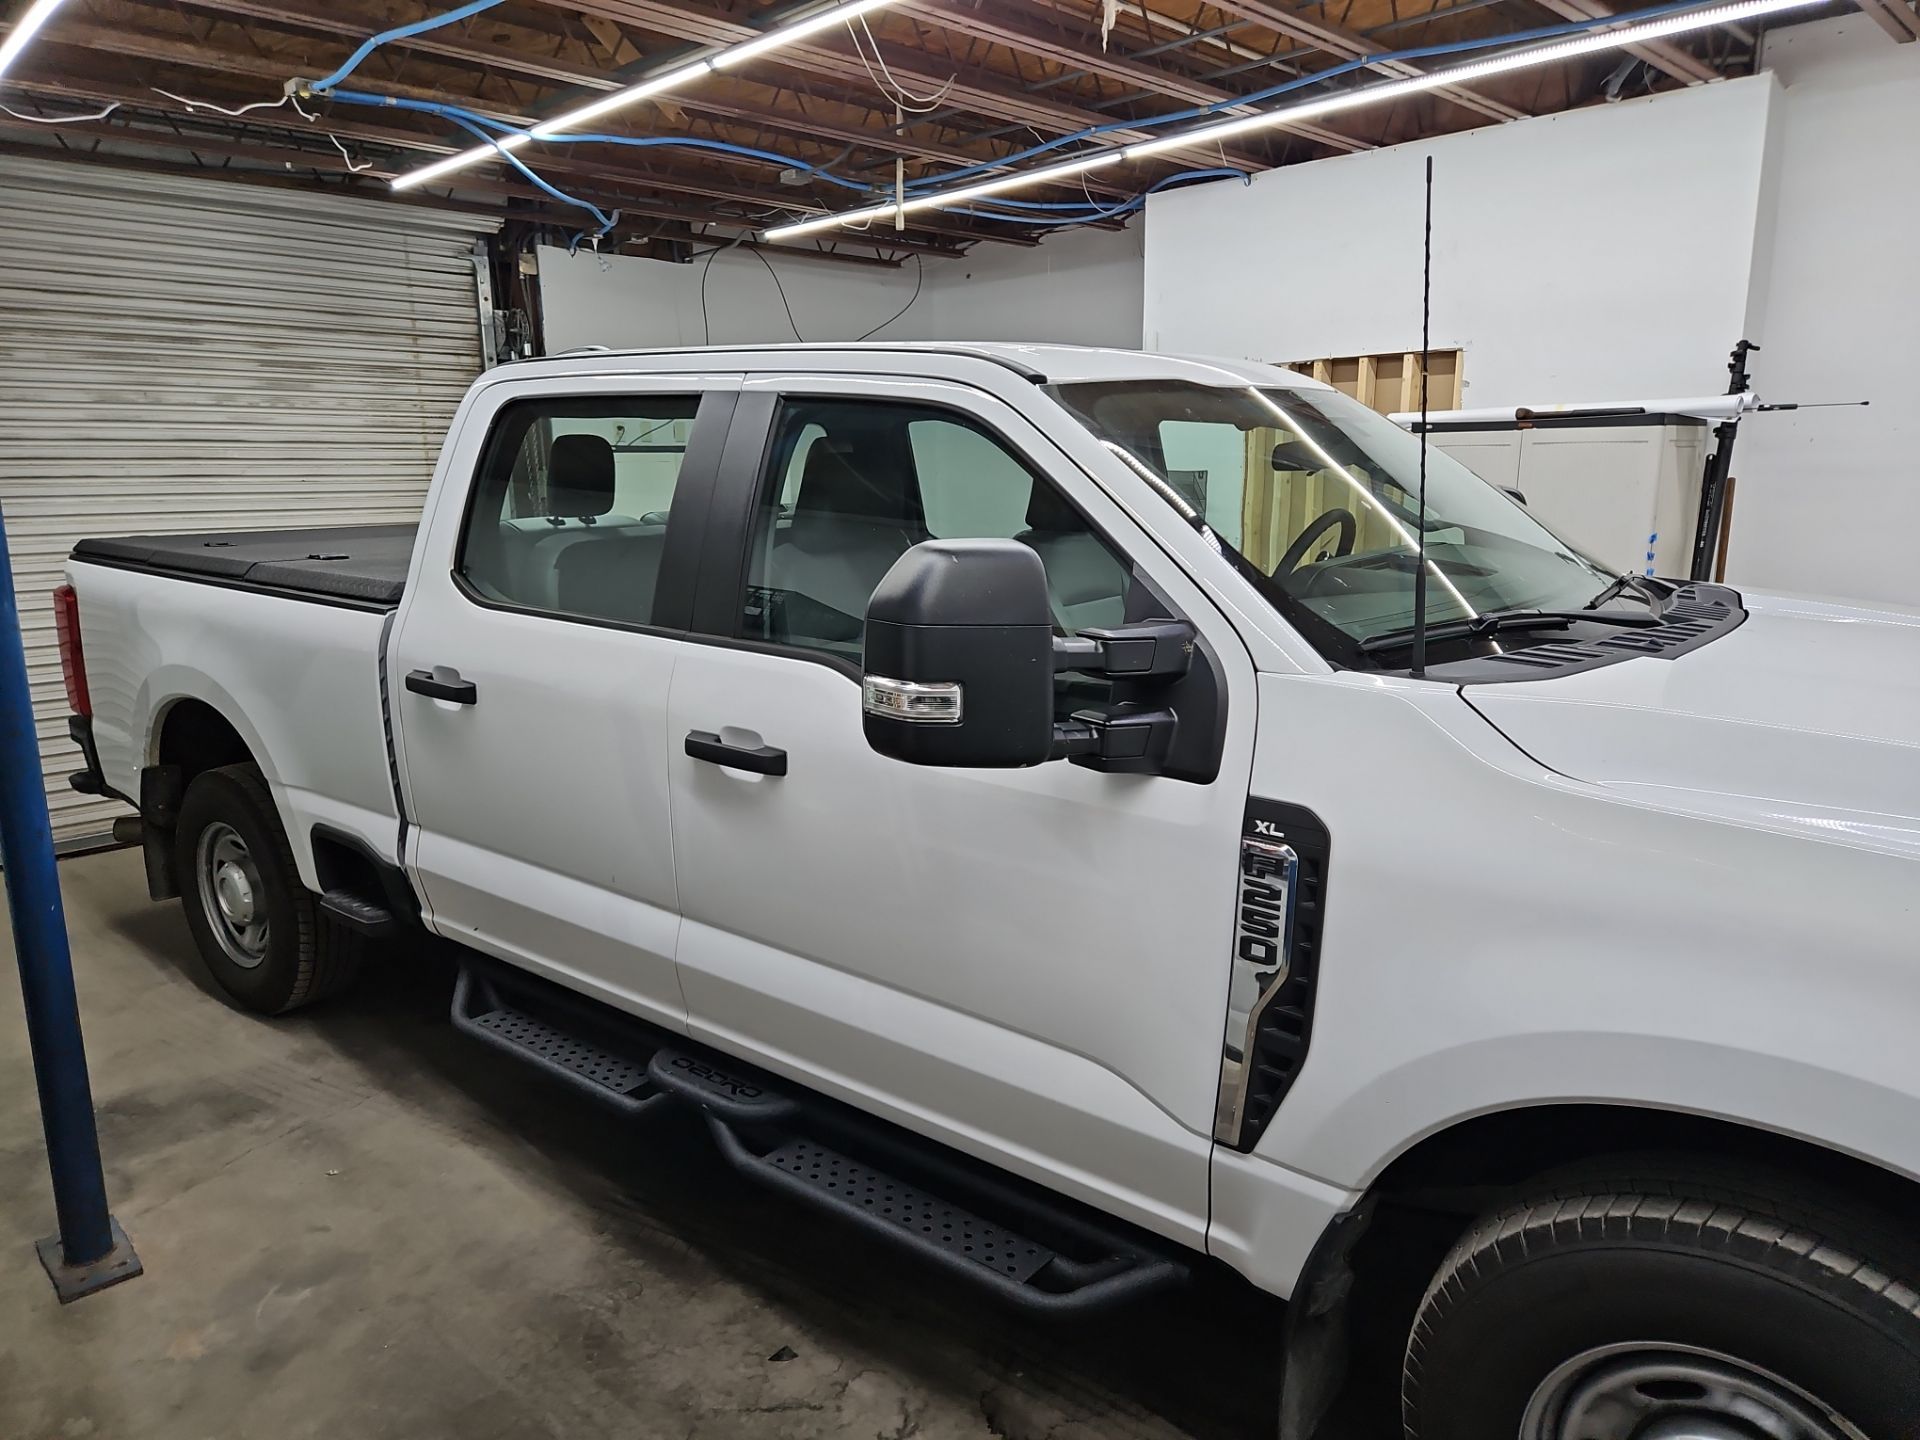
pixel 831 485
pixel 1049 513
pixel 580 476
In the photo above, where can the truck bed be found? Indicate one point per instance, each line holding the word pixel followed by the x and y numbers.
pixel 363 565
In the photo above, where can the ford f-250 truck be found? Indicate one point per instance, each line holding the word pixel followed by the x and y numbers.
pixel 994 784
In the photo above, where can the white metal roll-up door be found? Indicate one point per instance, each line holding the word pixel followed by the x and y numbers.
pixel 181 354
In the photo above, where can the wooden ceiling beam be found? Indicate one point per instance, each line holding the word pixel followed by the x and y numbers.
pixel 573 173
pixel 1896 17
pixel 1663 55
pixel 547 70
pixel 1350 45
pixel 1018 33
pixel 973 89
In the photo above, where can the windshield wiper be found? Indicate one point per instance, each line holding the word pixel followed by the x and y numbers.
pixel 1491 622
pixel 1624 583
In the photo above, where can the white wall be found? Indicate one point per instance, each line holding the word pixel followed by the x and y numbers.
pixel 1081 286
pixel 1828 501
pixel 1582 256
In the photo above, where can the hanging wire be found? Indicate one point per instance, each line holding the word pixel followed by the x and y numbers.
pixel 286 99
pixel 891 87
pixel 61 119
pixel 919 279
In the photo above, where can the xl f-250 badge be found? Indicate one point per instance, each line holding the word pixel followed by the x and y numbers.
pixel 1262 931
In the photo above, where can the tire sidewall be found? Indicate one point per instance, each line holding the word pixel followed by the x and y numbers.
pixel 1488 1350
pixel 219 796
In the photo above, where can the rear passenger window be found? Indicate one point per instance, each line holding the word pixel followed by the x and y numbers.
pixel 851 485
pixel 570 507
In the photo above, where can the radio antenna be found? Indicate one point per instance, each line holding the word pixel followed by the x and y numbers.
pixel 1419 667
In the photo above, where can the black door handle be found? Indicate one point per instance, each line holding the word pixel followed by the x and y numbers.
pixel 760 759
pixel 425 682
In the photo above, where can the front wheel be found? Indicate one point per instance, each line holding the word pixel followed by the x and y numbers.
pixel 256 925
pixel 1718 1306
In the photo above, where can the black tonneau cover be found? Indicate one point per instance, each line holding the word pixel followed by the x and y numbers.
pixel 356 564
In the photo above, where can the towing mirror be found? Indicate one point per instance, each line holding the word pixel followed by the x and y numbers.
pixel 961 655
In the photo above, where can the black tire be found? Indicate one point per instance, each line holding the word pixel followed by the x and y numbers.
pixel 301 957
pixel 1708 1264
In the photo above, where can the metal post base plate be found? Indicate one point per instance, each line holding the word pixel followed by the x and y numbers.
pixel 70 1282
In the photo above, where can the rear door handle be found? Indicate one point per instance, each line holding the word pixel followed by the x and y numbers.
pixel 760 759
pixel 425 682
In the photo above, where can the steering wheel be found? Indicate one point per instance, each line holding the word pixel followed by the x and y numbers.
pixel 1313 534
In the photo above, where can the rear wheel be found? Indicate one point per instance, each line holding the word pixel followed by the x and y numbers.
pixel 1717 1305
pixel 256 925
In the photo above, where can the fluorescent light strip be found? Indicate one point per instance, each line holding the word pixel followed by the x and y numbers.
pixel 1077 166
pixel 1330 105
pixel 653 85
pixel 24 29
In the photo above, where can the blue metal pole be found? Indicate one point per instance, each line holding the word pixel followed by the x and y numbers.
pixel 91 1251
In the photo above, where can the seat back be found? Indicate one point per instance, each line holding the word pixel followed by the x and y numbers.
pixel 848 527
pixel 1087 582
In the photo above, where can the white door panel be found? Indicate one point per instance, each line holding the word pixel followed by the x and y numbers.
pixel 1030 964
pixel 540 806
pixel 541 810
pixel 877 1048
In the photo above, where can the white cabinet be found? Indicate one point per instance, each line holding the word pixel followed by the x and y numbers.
pixel 1628 495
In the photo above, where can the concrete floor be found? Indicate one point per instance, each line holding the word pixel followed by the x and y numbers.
pixel 356 1223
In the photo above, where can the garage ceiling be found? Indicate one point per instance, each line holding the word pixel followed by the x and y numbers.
pixel 925 87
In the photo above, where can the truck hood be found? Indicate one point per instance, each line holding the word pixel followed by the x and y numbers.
pixel 1807 714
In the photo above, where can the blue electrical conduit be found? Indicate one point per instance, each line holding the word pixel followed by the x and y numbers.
pixel 1546 32
pixel 948 177
pixel 478 125
pixel 401 32
pixel 1124 207
pixel 473 122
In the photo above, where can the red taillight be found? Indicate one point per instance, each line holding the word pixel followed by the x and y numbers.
pixel 73 665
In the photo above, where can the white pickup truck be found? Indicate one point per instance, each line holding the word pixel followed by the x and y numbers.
pixel 993 783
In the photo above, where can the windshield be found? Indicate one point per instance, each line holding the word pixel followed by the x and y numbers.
pixel 1314 497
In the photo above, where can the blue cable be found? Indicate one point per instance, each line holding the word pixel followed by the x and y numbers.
pixel 1124 207
pixel 1299 82
pixel 459 114
pixel 477 126
pixel 401 32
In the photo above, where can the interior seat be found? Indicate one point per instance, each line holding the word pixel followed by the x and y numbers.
pixel 612 574
pixel 847 530
pixel 580 499
pixel 1087 582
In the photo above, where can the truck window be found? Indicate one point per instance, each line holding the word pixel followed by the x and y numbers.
pixel 570 506
pixel 851 485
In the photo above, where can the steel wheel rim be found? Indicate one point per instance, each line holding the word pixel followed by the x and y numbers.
pixel 1674 1392
pixel 231 895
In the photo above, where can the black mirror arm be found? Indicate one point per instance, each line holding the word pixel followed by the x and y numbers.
pixel 1129 742
pixel 1157 650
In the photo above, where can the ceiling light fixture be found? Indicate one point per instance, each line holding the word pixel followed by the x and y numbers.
pixel 1202 135
pixel 673 79
pixel 24 29
pixel 1077 166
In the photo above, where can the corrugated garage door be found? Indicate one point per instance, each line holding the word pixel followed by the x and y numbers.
pixel 185 354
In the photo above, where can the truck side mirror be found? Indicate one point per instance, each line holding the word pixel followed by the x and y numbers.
pixel 959 657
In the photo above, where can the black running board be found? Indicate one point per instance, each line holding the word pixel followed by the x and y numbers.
pixel 1033 1249
pixel 1025 1271
pixel 1028 1247
pixel 486 1010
